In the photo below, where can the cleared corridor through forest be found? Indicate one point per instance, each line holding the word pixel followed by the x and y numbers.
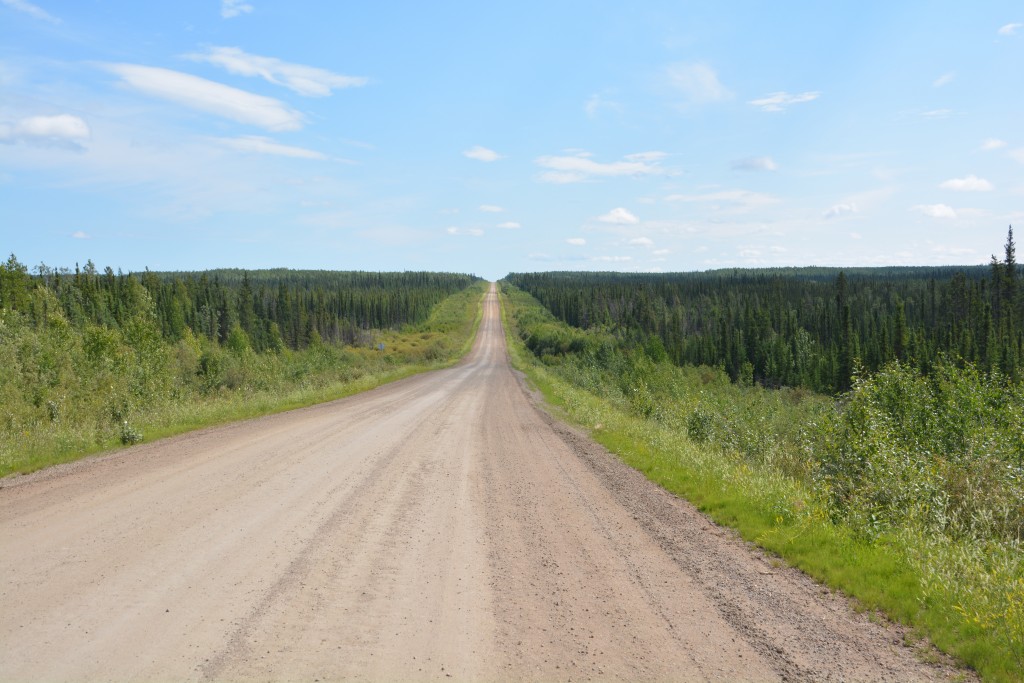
pixel 441 526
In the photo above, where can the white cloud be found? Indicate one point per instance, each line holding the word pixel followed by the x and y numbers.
pixel 698 82
pixel 935 210
pixel 971 183
pixel 491 208
pixel 619 216
pixel 576 241
pixel 937 113
pixel 305 80
pixel 1009 29
pixel 778 101
pixel 62 130
pixel 481 154
pixel 839 210
pixel 944 79
pixel 208 96
pixel 612 259
pixel 641 242
pixel 856 236
pixel 472 232
pixel 646 156
pixel 992 143
pixel 32 10
pixel 1017 154
pixel 661 252
pixel 81 235
pixel 233 8
pixel 580 167
pixel 755 164
pixel 262 145
pixel 509 225
pixel 741 200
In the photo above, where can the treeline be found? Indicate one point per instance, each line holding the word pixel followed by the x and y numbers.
pixel 263 309
pixel 809 327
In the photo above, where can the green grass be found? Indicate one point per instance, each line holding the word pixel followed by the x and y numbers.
pixel 898 572
pixel 173 399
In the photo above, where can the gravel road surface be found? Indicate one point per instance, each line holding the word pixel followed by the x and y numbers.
pixel 441 527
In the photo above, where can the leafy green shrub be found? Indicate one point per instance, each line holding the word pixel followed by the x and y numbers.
pixel 700 426
pixel 129 434
pixel 944 451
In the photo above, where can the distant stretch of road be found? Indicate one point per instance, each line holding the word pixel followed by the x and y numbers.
pixel 441 527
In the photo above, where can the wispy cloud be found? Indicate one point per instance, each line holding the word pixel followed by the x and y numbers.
pixel 935 210
pixel 81 235
pixel 1017 154
pixel 971 183
pixel 576 241
pixel 481 154
pixel 209 96
pixel 641 242
pixel 839 210
pixel 992 144
pixel 62 130
pixel 305 80
pixel 509 225
pixel 646 156
pixel 229 9
pixel 472 232
pixel 937 113
pixel 596 102
pixel 755 164
pixel 32 10
pixel 778 101
pixel 619 216
pixel 580 167
pixel 1009 29
pixel 737 200
pixel 698 82
pixel 944 79
pixel 262 145
pixel 491 208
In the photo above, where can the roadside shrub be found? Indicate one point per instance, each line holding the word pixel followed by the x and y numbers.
pixel 129 434
pixel 944 451
pixel 700 426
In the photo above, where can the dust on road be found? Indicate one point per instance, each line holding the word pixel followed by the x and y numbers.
pixel 441 527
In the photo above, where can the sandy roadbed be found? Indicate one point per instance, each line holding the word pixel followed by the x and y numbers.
pixel 441 527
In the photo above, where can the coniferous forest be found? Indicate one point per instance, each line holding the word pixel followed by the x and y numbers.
pixel 273 308
pixel 806 327
pixel 91 358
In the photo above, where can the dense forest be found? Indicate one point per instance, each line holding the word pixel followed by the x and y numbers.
pixel 89 358
pixel 267 309
pixel 809 327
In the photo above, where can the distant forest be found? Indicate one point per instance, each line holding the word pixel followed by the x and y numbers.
pixel 809 327
pixel 274 309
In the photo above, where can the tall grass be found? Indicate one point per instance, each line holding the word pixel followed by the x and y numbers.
pixel 67 392
pixel 906 493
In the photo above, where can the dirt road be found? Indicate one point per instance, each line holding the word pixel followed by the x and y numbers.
pixel 439 527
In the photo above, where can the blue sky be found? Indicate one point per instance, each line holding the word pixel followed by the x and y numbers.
pixel 488 138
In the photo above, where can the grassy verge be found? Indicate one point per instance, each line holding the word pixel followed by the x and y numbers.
pixel 750 472
pixel 99 407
